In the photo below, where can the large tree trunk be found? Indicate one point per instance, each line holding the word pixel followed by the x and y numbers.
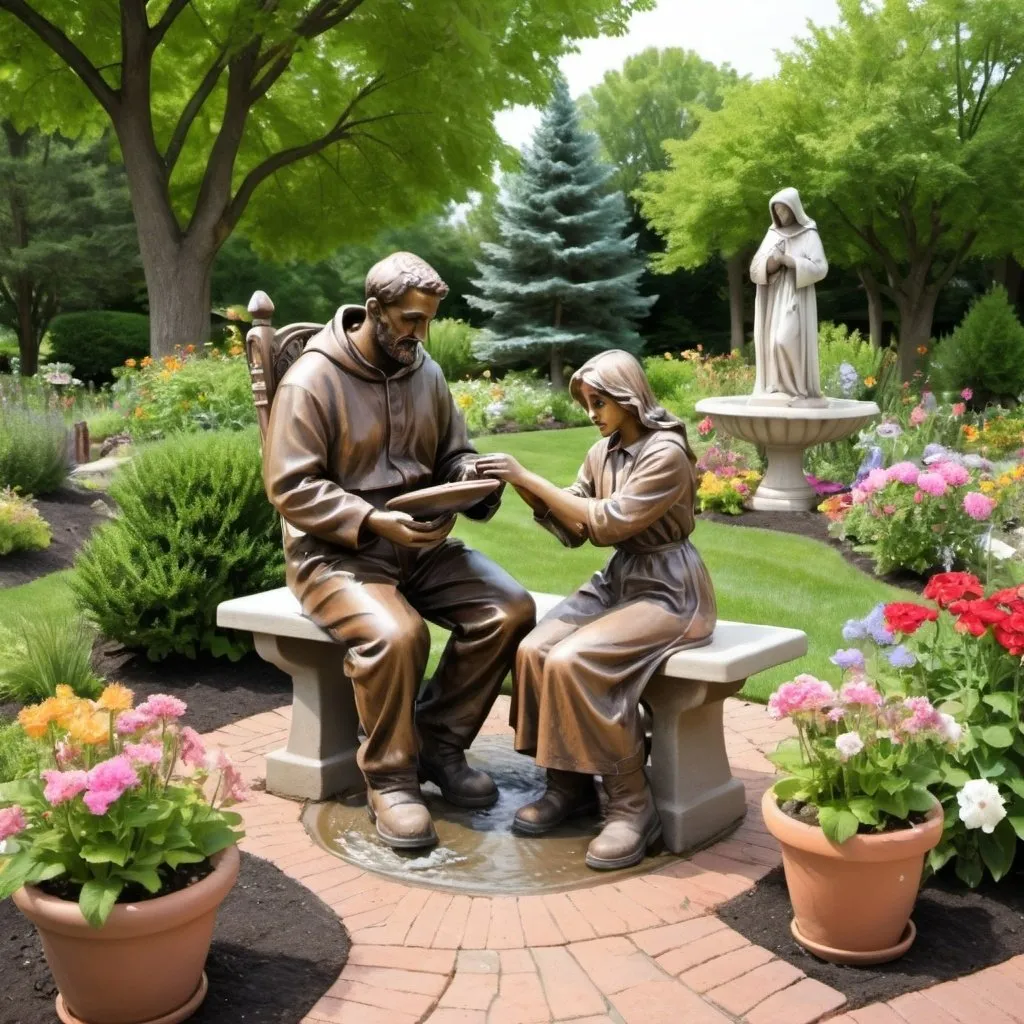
pixel 917 312
pixel 876 314
pixel 557 376
pixel 28 335
pixel 734 268
pixel 178 283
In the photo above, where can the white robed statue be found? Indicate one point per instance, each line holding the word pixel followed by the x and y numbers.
pixel 785 269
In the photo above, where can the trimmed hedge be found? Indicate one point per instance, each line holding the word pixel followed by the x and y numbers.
pixel 95 342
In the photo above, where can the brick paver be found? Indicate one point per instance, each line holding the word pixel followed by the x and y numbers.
pixel 643 950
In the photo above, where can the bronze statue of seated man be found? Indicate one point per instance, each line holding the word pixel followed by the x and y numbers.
pixel 364 415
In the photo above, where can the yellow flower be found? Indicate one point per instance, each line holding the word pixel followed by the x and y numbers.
pixel 464 400
pixel 235 350
pixel 130 362
pixel 668 355
pixel 89 727
pixel 870 382
pixel 140 413
pixel 487 374
pixel 116 698
pixel 987 486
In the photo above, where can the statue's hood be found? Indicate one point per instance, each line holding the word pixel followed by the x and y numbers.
pixel 791 198
pixel 333 342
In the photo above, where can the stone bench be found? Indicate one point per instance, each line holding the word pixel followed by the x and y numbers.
pixel 697 797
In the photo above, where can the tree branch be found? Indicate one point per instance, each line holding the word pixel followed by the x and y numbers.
pixel 159 30
pixel 192 108
pixel 872 241
pixel 278 161
pixel 955 260
pixel 64 48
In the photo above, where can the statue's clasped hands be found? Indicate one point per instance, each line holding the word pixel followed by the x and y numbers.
pixel 501 467
pixel 778 260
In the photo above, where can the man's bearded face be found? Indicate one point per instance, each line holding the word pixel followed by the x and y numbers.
pixel 401 326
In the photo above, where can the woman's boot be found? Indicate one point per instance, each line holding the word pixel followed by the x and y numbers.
pixel 567 794
pixel 631 823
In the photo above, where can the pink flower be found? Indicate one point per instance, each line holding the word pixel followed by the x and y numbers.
pixel 859 496
pixel 160 705
pixel 932 483
pixel 62 786
pixel 742 488
pixel 65 752
pixel 967 394
pixel 978 506
pixel 129 722
pixel 889 510
pixel 705 426
pixel 805 693
pixel 904 472
pixel 145 753
pixel 861 693
pixel 917 416
pixel 108 781
pixel 836 715
pixel 958 409
pixel 923 716
pixel 954 475
pixel 193 751
pixel 12 821
pixel 233 786
pixel 874 481
pixel 918 497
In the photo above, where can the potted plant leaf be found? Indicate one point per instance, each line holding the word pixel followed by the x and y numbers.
pixel 119 859
pixel 854 815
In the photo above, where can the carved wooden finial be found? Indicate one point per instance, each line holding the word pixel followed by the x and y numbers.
pixel 261 308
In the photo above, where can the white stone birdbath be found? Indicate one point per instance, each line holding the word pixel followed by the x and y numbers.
pixel 786 432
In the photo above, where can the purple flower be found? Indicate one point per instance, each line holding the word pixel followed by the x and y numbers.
pixel 850 658
pixel 874 625
pixel 900 657
pixel 888 430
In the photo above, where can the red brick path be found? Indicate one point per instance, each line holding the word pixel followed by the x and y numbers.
pixel 640 951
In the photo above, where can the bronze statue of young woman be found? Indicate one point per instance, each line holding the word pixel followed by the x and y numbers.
pixel 580 673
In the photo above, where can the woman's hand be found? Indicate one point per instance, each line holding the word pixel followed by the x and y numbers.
pixel 501 467
pixel 787 261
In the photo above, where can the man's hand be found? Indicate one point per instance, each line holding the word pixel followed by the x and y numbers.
pixel 400 528
pixel 501 467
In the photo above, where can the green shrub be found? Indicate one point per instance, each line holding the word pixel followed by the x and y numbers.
pixel 17 752
pixel 33 451
pixel 195 528
pixel 450 344
pixel 22 528
pixel 97 341
pixel 836 347
pixel 105 424
pixel 985 352
pixel 43 653
pixel 667 375
pixel 186 394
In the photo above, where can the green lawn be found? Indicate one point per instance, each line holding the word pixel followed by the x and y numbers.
pixel 759 576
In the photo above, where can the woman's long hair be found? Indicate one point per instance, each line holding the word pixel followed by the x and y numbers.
pixel 620 376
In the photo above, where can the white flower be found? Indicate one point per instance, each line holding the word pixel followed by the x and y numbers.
pixel 951 729
pixel 848 745
pixel 981 805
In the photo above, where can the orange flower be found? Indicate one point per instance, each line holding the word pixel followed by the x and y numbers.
pixel 130 362
pixel 189 349
pixel 116 698
pixel 147 361
pixel 235 350
pixel 35 720
pixel 922 350
pixel 870 382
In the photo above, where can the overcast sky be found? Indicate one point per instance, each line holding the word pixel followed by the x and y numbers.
pixel 743 33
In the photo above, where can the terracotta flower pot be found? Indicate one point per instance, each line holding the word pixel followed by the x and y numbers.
pixel 852 901
pixel 145 965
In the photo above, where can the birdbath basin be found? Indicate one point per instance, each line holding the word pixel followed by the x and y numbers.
pixel 786 432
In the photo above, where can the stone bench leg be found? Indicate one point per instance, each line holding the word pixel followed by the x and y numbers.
pixel 320 759
pixel 697 797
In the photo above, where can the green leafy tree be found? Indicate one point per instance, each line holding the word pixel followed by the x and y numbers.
pixel 337 116
pixel 66 234
pixel 563 282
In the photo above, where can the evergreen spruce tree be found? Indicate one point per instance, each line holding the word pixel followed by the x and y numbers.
pixel 562 283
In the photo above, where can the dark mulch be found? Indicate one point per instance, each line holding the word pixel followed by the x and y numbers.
pixel 276 950
pixel 959 931
pixel 72 519
pixel 815 526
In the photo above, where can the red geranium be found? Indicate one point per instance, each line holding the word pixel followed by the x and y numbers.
pixel 1008 597
pixel 945 587
pixel 975 617
pixel 1010 632
pixel 906 617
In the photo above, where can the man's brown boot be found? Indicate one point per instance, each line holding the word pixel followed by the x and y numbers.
pixel 631 823
pixel 401 817
pixel 567 794
pixel 460 785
